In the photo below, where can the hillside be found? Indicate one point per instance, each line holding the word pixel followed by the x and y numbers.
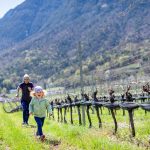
pixel 41 37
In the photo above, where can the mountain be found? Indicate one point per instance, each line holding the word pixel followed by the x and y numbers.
pixel 41 37
pixel 60 21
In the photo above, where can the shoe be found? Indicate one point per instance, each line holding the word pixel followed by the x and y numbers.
pixel 42 138
pixel 23 123
pixel 27 124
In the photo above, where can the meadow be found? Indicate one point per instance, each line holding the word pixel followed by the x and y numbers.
pixel 60 136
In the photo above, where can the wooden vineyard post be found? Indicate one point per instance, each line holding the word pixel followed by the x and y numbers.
pixel 114 118
pixel 78 110
pixel 81 81
pixel 65 112
pixel 79 114
pixel 131 122
pixel 98 116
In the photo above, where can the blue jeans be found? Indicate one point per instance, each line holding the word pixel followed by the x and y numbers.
pixel 25 107
pixel 40 123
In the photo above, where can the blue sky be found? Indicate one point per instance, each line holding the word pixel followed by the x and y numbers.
pixel 5 5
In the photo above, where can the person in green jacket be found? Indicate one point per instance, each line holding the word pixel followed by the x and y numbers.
pixel 38 107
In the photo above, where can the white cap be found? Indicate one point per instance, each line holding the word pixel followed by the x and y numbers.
pixel 26 76
pixel 38 89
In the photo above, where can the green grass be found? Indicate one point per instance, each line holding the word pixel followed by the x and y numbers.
pixel 73 137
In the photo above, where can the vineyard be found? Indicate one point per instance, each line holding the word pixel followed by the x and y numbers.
pixel 109 124
pixel 75 75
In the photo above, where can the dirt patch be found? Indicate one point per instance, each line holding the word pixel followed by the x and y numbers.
pixel 52 142
pixel 2 145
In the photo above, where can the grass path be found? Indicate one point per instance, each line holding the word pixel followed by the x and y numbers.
pixel 66 137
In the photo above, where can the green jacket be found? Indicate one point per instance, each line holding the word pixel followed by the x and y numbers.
pixel 39 107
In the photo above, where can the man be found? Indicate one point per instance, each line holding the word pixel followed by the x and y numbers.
pixel 26 87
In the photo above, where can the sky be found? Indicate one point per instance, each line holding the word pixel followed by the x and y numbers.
pixel 5 5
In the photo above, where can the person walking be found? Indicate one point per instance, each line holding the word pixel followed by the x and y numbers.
pixel 25 87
